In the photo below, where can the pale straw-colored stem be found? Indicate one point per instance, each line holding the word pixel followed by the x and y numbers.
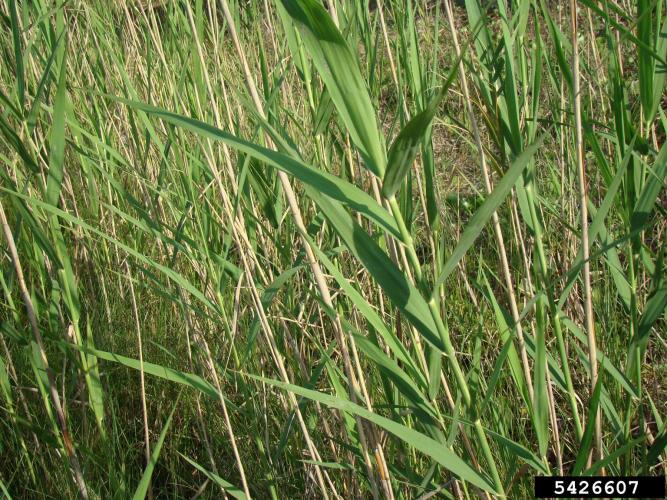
pixel 583 207
pixel 142 378
pixel 500 240
pixel 312 261
pixel 53 392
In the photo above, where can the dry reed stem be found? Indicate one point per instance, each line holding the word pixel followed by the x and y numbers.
pixel 583 206
pixel 312 261
pixel 142 378
pixel 53 392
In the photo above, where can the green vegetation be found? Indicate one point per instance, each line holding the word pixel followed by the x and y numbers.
pixel 342 249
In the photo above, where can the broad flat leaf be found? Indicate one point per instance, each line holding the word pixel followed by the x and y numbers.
pixel 43 82
pixel 95 390
pixel 405 385
pixel 410 140
pixel 413 438
pixel 329 465
pixel 437 451
pixel 332 186
pixel 229 488
pixel 484 213
pixel 656 449
pixel 659 75
pixel 540 405
pixel 405 147
pixel 395 284
pixel 339 69
pixel 323 114
pixel 646 17
pixel 610 458
pixel 390 339
pixel 519 451
pixel 187 379
pixel 57 151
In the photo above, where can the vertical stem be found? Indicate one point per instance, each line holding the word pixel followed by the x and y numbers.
pixel 449 348
pixel 543 275
pixel 53 391
pixel 320 280
pixel 142 378
pixel 579 154
pixel 496 222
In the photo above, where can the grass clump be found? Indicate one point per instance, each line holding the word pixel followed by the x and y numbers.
pixel 295 248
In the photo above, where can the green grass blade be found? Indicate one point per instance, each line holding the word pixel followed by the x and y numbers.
pixel 18 53
pixel 5 492
pixel 229 488
pixel 587 439
pixel 655 306
pixel 420 442
pixel 605 363
pixel 339 69
pixel 17 144
pixel 504 320
pixel 484 213
pixel 43 83
pixel 57 152
pixel 179 377
pixel 405 147
pixel 374 320
pixel 95 390
pixel 660 72
pixel 610 458
pixel 395 284
pixel 540 404
pixel 401 380
pixel 170 273
pixel 657 448
pixel 649 195
pixel 331 185
pixel 646 69
pixel 144 483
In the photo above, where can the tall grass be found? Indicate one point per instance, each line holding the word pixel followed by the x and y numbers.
pixel 282 249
